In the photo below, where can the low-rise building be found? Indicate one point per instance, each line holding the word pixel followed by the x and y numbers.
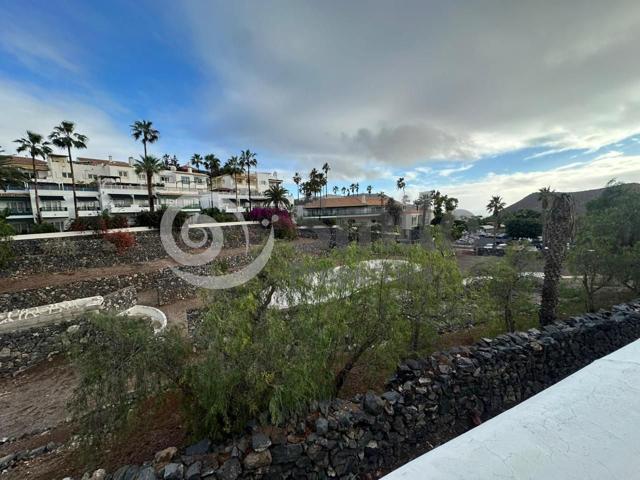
pixel 114 186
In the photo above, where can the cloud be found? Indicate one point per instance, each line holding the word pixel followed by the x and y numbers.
pixel 37 110
pixel 447 172
pixel 512 187
pixel 403 84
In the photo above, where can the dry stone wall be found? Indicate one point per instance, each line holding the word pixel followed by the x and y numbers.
pixel 73 253
pixel 427 402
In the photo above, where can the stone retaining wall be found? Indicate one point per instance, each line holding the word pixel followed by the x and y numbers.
pixel 25 347
pixel 73 253
pixel 427 402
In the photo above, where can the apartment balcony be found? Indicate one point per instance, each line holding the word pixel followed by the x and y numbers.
pixel 128 208
pixel 19 213
pixel 88 211
pixel 54 212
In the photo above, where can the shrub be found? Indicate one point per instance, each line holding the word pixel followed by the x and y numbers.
pixel 121 367
pixel 154 219
pixel 284 227
pixel 6 250
pixel 123 241
pixel 99 224
pixel 218 215
pixel 43 228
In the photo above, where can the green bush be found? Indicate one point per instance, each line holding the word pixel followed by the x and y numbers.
pixel 153 219
pixel 254 361
pixel 6 250
pixel 218 215
pixel 43 228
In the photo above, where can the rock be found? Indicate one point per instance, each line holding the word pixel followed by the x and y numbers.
pixel 255 460
pixel 165 456
pixel 173 471
pixel 6 461
pixel 373 404
pixel 199 448
pixel 391 396
pixel 121 472
pixel 286 453
pixel 99 474
pixel 131 473
pixel 322 426
pixel 260 442
pixel 193 472
pixel 230 470
pixel 147 473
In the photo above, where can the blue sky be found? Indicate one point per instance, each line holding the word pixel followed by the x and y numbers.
pixel 472 100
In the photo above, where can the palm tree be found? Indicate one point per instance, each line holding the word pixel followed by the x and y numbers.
pixel 401 184
pixel 336 189
pixel 495 207
pixel 196 160
pixel 424 202
pixel 212 166
pixel 297 179
pixel 149 165
pixel 325 169
pixel 8 173
pixel 369 188
pixel 248 160
pixel 277 196
pixel 36 146
pixel 64 136
pixel 357 187
pixel 558 228
pixel 344 191
pixel 234 168
pixel 143 130
pixel 544 197
pixel 352 187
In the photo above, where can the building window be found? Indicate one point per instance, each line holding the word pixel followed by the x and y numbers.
pixel 92 176
pixel 165 179
pixel 199 180
pixel 185 180
pixel 122 173
pixel 66 174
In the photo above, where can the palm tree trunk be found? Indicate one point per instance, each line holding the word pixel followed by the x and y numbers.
pixel 144 144
pixel 73 184
pixel 150 192
pixel 235 181
pixel 249 185
pixel 35 186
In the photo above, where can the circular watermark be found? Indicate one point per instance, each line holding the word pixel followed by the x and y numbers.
pixel 203 250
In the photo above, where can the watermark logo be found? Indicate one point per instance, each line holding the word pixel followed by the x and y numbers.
pixel 202 250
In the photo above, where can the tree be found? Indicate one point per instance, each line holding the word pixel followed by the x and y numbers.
pixel 369 188
pixel 394 209
pixel 277 196
pixel 401 184
pixel 524 224
pixel 442 205
pixel 558 231
pixel 10 174
pixel 149 165
pixel 590 258
pixel 170 161
pixel 35 145
pixel 212 166
pixel 143 130
pixel 545 195
pixel 344 191
pixel 336 189
pixel 234 168
pixel 325 169
pixel 65 137
pixel 297 179
pixel 248 160
pixel 197 160
pixel 423 203
pixel 495 207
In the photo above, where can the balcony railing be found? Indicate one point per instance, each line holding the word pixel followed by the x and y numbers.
pixel 88 208
pixel 53 209
pixel 18 211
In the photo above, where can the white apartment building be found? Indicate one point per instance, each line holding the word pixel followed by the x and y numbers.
pixel 114 186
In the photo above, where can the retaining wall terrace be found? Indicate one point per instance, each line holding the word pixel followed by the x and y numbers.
pixel 427 402
pixel 73 253
pixel 24 345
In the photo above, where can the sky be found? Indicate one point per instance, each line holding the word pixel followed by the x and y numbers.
pixel 471 98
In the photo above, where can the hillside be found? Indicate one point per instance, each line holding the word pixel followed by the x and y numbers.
pixel 580 198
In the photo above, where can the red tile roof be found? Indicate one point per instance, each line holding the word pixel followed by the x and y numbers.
pixel 349 201
pixel 97 161
pixel 26 163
